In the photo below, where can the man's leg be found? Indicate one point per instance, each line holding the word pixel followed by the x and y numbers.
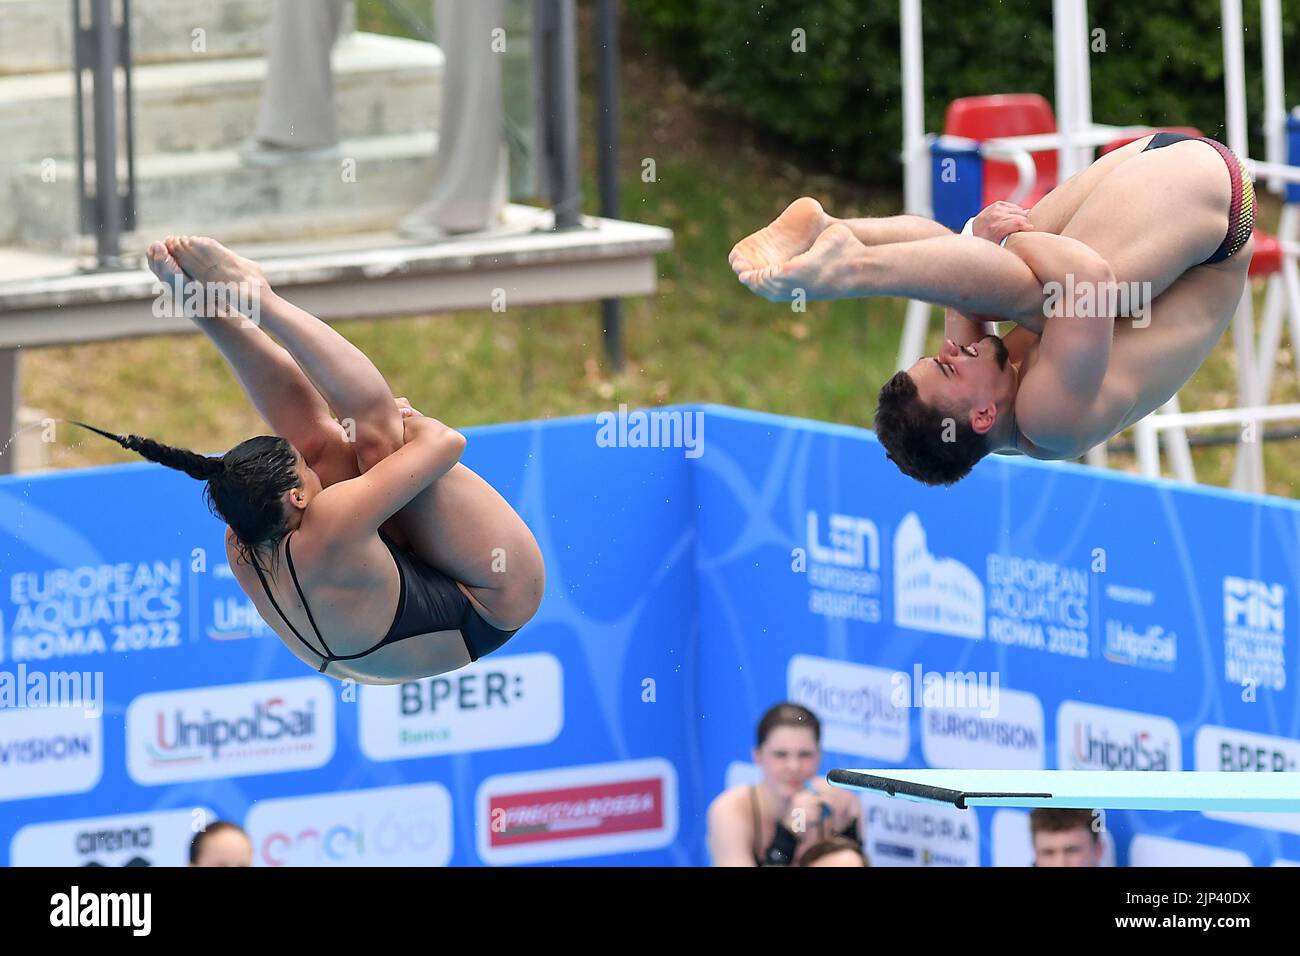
pixel 1158 214
pixel 970 275
pixel 797 228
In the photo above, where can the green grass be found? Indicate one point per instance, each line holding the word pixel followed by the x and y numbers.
pixel 702 338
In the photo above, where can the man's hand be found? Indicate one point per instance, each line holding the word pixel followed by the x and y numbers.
pixel 404 408
pixel 1000 220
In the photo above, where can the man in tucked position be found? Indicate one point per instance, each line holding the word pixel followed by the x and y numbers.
pixel 1120 282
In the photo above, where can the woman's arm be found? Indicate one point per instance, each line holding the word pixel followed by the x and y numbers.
pixel 729 837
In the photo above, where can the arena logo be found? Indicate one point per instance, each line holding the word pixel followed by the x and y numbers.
pixel 907 834
pixel 384 826
pixel 239 729
pixel 1014 739
pixel 843 568
pixel 574 812
pixel 49 752
pixel 1105 738
pixel 500 701
pixel 853 703
pixel 1038 604
pixel 1152 647
pixel 656 428
pixel 1254 629
pixel 1227 749
pixel 21 689
pixel 936 595
pixel 142 839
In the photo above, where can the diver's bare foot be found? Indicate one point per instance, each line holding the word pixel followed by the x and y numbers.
pixel 173 296
pixel 163 264
pixel 207 260
pixel 792 232
pixel 826 271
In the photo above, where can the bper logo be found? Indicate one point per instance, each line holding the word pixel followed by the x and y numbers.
pixel 854 542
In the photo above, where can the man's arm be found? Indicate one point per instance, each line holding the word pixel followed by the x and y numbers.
pixel 966 329
pixel 1074 353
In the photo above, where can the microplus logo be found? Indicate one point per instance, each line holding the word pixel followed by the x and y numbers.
pixel 74 908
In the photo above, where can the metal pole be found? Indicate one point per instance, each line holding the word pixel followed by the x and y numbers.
pixel 1270 15
pixel 608 113
pixel 108 202
pixel 916 171
pixel 559 72
pixel 1234 78
pixel 1083 81
pixel 1063 53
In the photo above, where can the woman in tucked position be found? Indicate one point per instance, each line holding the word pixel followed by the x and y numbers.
pixel 364 543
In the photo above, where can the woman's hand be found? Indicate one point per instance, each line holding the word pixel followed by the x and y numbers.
pixel 999 220
pixel 807 808
pixel 404 407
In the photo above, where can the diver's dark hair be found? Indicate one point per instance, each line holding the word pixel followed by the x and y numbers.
pixel 925 443
pixel 245 486
pixel 788 715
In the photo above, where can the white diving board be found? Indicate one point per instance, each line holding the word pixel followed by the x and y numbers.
pixel 1083 789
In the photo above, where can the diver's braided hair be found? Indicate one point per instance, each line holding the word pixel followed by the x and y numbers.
pixel 200 467
pixel 245 486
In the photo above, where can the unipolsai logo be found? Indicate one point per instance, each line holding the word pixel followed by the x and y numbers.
pixel 843 567
pixel 237 729
pixel 1254 632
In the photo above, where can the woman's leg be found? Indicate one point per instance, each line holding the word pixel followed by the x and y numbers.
pixel 341 372
pixel 272 380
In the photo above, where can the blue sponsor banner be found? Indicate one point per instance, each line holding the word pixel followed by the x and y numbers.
pixel 1034 616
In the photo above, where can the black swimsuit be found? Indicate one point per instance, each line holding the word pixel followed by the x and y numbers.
pixel 1241 209
pixel 429 602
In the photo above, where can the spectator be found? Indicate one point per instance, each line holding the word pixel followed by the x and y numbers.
pixel 773 822
pixel 221 844
pixel 1065 837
